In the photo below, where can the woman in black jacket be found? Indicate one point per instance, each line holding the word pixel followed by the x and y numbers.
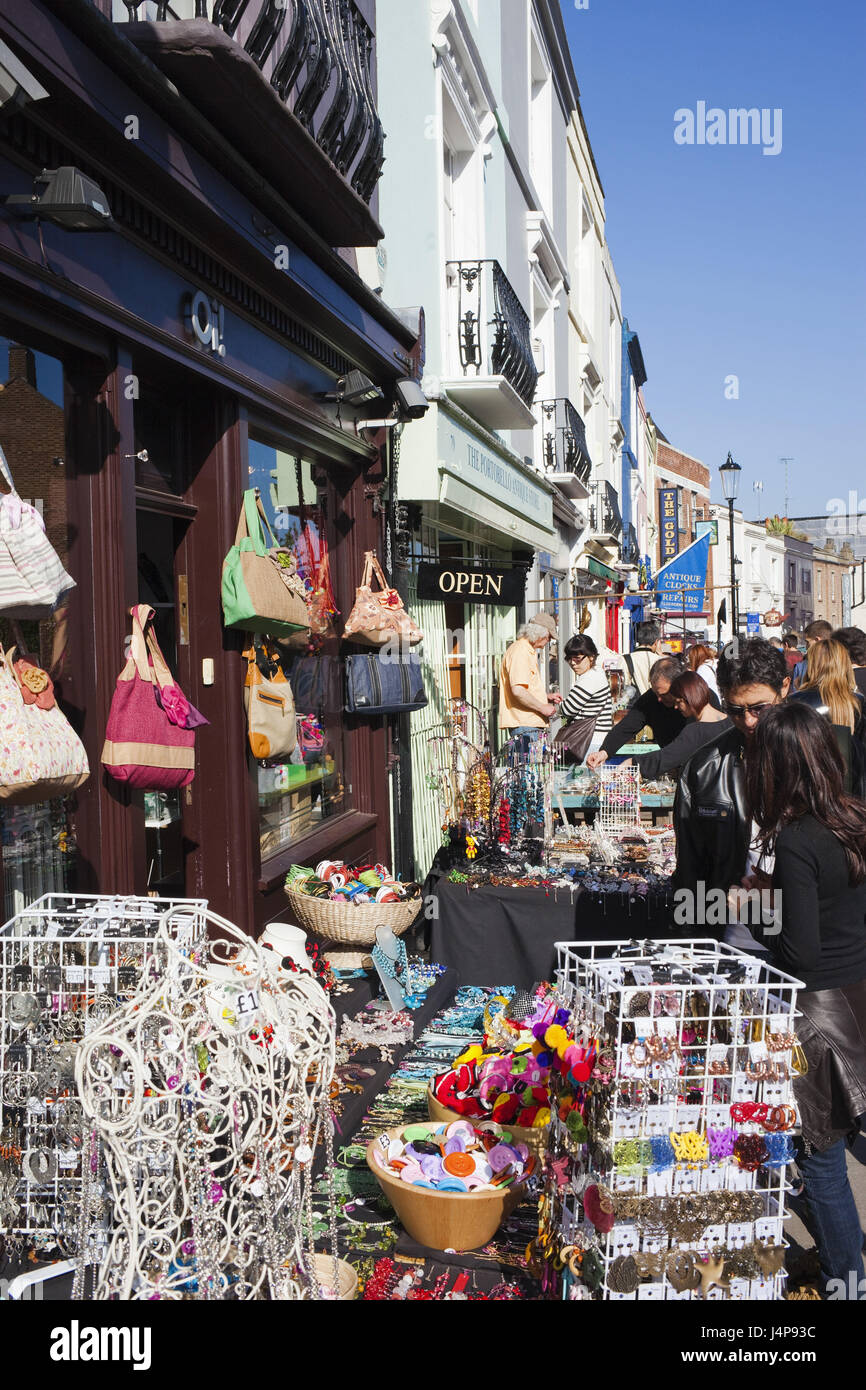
pixel 794 784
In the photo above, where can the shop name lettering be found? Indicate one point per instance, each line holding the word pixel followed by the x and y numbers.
pixel 456 582
pixel 503 477
pixel 77 1343
pixel 205 319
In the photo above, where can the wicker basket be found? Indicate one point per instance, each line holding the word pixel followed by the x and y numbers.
pixel 341 924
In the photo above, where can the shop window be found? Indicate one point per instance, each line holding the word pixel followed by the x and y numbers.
pixel 299 792
pixel 36 842
pixel 805 581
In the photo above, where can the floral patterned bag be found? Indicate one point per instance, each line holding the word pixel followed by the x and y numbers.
pixel 41 756
pixel 379 617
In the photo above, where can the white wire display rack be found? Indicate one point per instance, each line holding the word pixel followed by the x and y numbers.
pixel 687 1030
pixel 67 963
pixel 618 799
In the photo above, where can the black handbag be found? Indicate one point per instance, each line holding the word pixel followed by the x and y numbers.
pixel 577 736
pixel 384 684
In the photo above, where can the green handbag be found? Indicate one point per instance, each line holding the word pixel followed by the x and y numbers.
pixel 259 593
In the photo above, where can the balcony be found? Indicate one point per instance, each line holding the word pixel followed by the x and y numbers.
pixel 491 333
pixel 630 549
pixel 289 84
pixel 605 521
pixel 564 453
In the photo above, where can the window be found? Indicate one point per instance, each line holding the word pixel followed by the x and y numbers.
pixel 792 576
pixel 297 793
pixel 832 586
pixel 818 586
pixel 38 847
pixel 540 153
pixel 805 581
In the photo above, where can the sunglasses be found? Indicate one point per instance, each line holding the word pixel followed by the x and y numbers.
pixel 740 711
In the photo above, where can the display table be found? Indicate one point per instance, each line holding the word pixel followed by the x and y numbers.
pixel 495 935
pixel 565 792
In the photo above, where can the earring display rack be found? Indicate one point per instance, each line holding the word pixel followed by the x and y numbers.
pixel 685 1123
pixel 67 963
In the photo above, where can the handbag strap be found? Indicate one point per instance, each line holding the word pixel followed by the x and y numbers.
pixel 373 567
pixel 253 523
pixel 4 470
pixel 145 650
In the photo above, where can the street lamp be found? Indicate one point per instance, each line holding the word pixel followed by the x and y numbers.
pixel 730 474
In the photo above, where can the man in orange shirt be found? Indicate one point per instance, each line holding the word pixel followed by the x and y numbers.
pixel 524 706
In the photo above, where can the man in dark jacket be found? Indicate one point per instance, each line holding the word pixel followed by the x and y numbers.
pixel 712 822
pixel 655 708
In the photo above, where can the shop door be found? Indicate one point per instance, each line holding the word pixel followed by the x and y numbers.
pixel 163 587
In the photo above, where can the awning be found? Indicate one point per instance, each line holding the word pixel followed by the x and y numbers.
pixel 602 571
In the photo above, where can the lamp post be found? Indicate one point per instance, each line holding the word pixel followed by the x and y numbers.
pixel 730 475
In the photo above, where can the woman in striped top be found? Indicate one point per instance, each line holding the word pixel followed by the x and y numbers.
pixel 590 695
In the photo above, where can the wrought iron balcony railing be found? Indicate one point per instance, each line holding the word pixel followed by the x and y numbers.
pixel 604 515
pixel 563 440
pixel 630 549
pixel 493 336
pixel 316 55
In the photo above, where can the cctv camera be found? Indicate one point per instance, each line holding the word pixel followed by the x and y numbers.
pixel 411 400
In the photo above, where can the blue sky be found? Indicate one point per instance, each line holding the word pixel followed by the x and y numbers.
pixel 733 262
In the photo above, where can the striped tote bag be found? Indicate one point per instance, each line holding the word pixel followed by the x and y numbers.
pixel 33 582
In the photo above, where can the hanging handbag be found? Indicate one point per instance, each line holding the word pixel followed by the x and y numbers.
pixel 272 726
pixel 33 582
pixel 148 741
pixel 261 591
pixel 41 756
pixel 384 685
pixel 576 736
pixel 378 616
pixel 314 566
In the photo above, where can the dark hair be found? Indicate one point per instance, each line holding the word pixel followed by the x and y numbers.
pixel 667 668
pixel 794 768
pixel 581 645
pixel 853 639
pixel 647 634
pixel 791 639
pixel 698 654
pixel 754 662
pixel 693 690
pixel 819 630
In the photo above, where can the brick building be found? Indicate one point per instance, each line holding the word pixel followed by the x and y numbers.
pixel 691 478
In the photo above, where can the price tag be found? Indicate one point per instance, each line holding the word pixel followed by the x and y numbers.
pixel 384 1141
pixel 75 974
pixel 651 1293
pixel 247 1004
pixel 643 974
pixel 51 930
pixel 68 1158
pixel 758 1051
pixel 101 974
pixel 643 1027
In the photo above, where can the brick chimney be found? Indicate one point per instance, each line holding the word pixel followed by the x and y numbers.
pixel 22 364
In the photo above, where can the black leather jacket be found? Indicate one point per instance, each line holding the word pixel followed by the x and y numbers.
pixel 712 823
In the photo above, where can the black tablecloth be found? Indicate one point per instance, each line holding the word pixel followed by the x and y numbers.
pixel 497 936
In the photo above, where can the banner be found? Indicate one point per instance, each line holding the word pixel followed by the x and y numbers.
pixel 680 584
pixel 459 581
pixel 669 524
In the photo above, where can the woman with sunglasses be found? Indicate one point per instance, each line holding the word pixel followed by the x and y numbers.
pixel 794 785
pixel 589 697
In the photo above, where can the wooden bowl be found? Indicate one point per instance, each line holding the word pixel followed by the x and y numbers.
pixel 535 1139
pixel 445 1220
pixel 324 1267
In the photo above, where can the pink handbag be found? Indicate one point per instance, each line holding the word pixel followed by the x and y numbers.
pixel 378 616
pixel 147 742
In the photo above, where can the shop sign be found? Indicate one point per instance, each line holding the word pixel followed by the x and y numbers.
pixel 460 580
pixel 669 524
pixel 205 320
pixel 492 476
pixel 753 624
pixel 708 528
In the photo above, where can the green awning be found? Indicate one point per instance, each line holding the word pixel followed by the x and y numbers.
pixel 602 571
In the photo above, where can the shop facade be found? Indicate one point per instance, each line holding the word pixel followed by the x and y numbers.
pixel 153 372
